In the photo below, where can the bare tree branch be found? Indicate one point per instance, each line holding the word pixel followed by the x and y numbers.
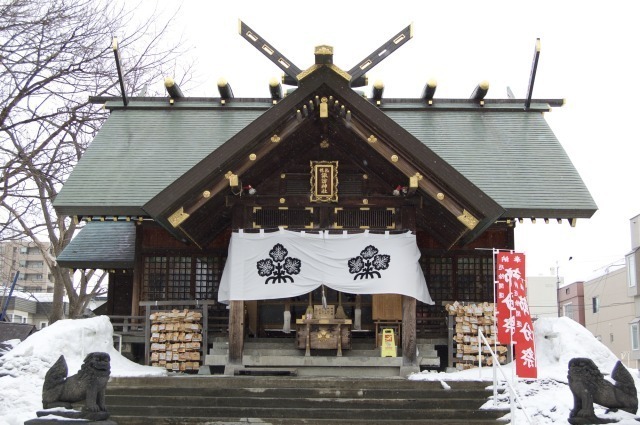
pixel 54 54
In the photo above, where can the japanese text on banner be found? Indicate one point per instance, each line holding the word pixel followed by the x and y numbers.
pixel 513 318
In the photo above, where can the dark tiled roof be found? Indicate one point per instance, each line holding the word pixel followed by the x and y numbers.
pixel 139 152
pixel 102 245
pixel 510 154
pixel 21 331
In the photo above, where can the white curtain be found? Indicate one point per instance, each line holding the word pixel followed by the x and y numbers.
pixel 285 264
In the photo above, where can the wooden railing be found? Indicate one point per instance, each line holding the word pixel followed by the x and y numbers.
pixel 128 325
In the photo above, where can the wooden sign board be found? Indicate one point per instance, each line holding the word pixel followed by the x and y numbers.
pixel 324 181
pixel 386 307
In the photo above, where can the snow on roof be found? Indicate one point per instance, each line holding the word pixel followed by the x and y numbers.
pixel 42 297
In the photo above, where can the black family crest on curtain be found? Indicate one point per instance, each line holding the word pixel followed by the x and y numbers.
pixel 280 268
pixel 368 263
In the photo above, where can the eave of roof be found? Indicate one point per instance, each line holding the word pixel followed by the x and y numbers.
pixel 101 245
pixel 121 154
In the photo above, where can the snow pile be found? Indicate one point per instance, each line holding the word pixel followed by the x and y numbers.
pixel 22 369
pixel 547 399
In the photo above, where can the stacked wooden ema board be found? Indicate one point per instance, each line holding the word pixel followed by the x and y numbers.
pixel 468 319
pixel 176 338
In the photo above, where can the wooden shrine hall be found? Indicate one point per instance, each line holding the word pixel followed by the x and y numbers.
pixel 315 205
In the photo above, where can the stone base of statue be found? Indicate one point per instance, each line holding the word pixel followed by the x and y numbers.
pixel 70 417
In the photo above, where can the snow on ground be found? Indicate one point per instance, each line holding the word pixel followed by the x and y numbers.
pixel 23 368
pixel 547 400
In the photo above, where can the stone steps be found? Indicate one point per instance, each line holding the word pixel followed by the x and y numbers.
pixel 296 400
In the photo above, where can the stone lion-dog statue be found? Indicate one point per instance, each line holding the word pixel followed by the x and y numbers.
pixel 589 386
pixel 87 386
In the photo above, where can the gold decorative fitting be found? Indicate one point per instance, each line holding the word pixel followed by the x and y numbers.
pixel 228 174
pixel 275 138
pixel 394 158
pixel 283 176
pixel 365 201
pixel 282 200
pixel 206 194
pixel 372 139
pixel 323 50
pixel 344 74
pixel 324 108
pixel 365 177
pixel 178 217
pixel 468 220
pixel 440 196
pixel 324 144
pixel 252 157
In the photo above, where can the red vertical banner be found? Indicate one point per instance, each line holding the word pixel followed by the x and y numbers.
pixel 513 318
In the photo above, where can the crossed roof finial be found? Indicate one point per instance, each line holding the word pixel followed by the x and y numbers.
pixel 324 54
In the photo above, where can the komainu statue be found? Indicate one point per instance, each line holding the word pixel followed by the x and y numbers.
pixel 87 386
pixel 589 386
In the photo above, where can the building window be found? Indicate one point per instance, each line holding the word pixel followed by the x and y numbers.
pixel 24 250
pixel 610 337
pixel 631 270
pixel 595 303
pixel 567 291
pixel 43 325
pixel 16 318
pixel 568 311
pixel 182 277
pixel 635 338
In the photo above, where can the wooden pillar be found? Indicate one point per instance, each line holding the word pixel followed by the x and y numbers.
pixel 138 274
pixel 409 349
pixel 236 331
pixel 409 355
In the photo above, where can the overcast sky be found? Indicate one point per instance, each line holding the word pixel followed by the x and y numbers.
pixel 588 57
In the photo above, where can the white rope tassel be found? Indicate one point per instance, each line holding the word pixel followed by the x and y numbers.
pixel 324 298
pixel 357 319
pixel 286 327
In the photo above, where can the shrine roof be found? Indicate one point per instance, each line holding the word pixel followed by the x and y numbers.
pixel 509 153
pixel 103 245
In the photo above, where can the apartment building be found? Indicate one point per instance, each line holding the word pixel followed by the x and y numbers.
pixel 24 257
pixel 571 302
pixel 608 310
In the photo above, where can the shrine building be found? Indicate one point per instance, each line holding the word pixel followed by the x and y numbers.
pixel 316 202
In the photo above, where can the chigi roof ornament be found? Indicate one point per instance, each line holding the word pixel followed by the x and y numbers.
pixel 324 57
